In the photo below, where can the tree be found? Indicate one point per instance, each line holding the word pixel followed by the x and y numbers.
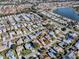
pixel 13 46
pixel 63 29
pixel 36 45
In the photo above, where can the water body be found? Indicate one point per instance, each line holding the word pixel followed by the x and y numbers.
pixel 67 12
pixel 64 0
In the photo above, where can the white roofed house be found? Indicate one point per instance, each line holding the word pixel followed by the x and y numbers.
pixel 10 54
pixel 26 39
pixel 0 34
pixel 12 34
pixel 12 21
pixel 77 45
pixel 19 41
pixel 1 57
pixel 19 32
pixel 16 18
pixel 26 18
pixel 15 27
pixel 9 43
pixel 19 49
pixel 20 17
pixel 28 46
pixel 3 46
pixel 70 55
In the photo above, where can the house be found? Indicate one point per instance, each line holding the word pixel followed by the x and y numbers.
pixel 21 18
pixel 47 36
pixel 4 30
pixel 52 52
pixel 25 24
pixel 0 31
pixel 9 44
pixel 18 25
pixel 12 34
pixel 47 58
pixel 51 55
pixel 12 28
pixel 19 41
pixel 19 32
pixel 26 18
pixel 51 33
pixel 31 36
pixel 28 15
pixel 19 49
pixel 74 34
pixel 41 50
pixel 62 44
pixel 28 46
pixel 30 28
pixel 4 38
pixel 1 57
pixel 15 27
pixel 16 18
pixel 10 54
pixel 70 55
pixel 77 45
pixel 69 39
pixel 26 38
pixel 35 26
pixel 58 49
pixel 12 21
pixel 24 31
pixel 37 33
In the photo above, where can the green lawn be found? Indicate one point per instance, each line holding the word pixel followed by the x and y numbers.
pixel 61 53
pixel 46 41
pixel 36 46
pixel 53 38
pixel 25 52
